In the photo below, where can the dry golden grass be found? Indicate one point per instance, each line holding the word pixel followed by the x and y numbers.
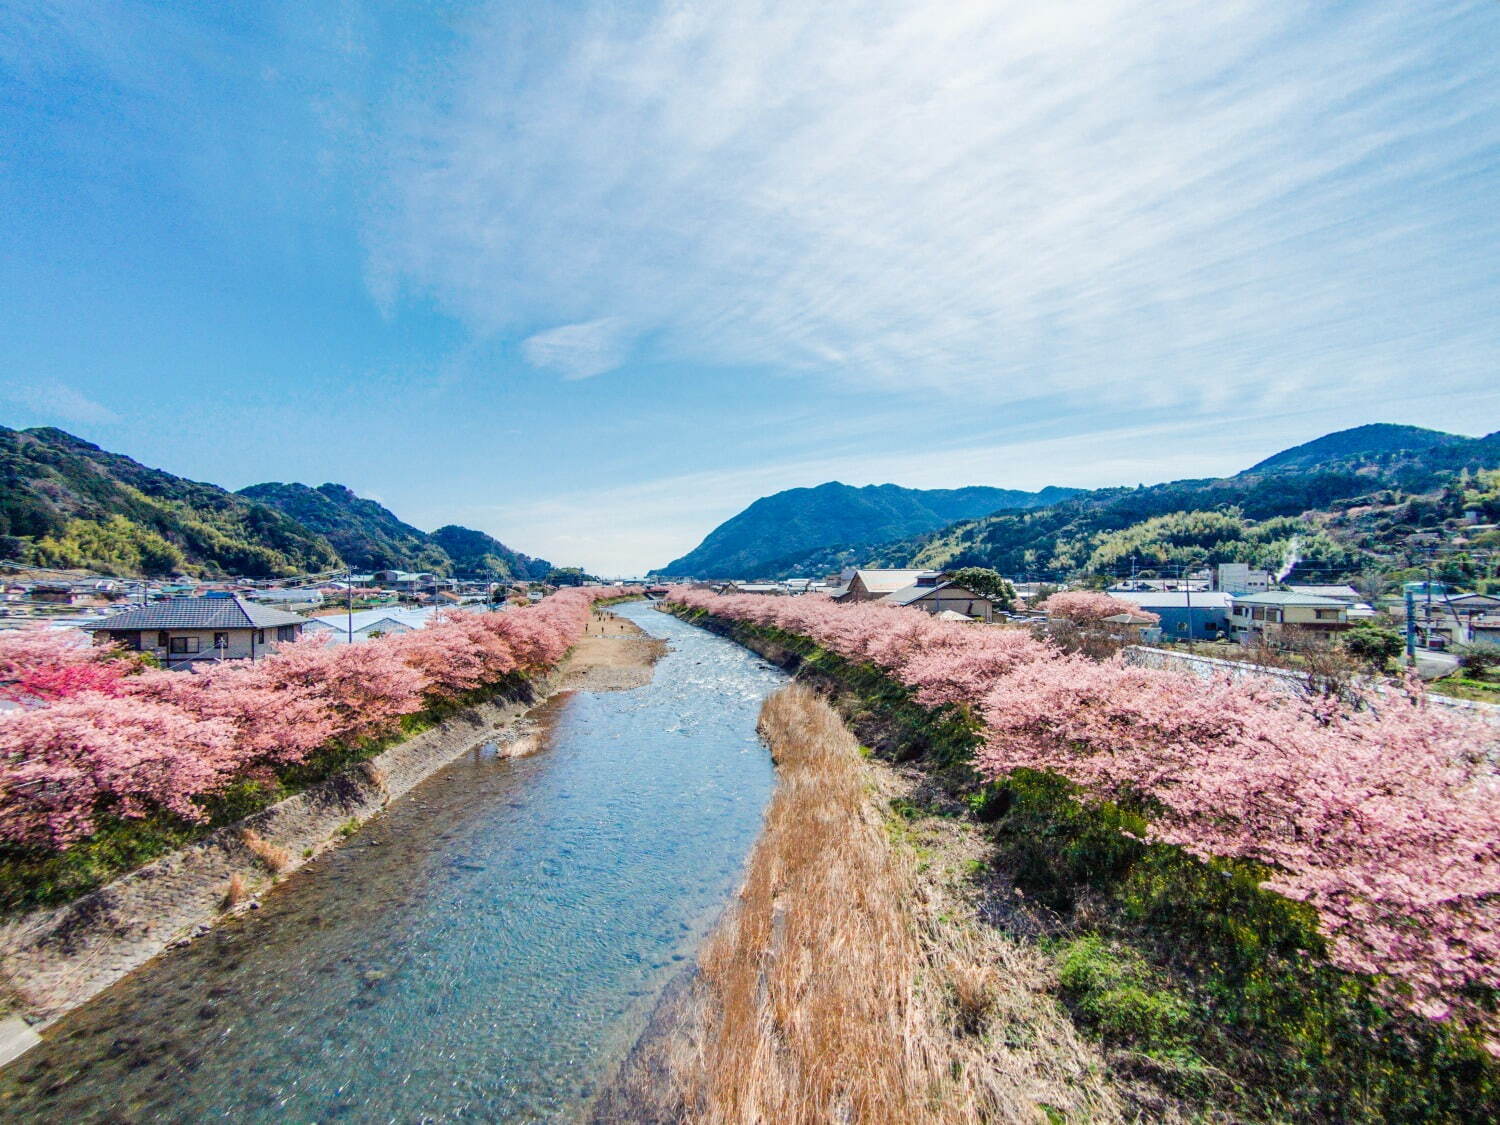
pixel 375 776
pixel 236 892
pixel 275 858
pixel 844 986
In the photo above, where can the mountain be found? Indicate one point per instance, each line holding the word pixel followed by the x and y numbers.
pixel 65 502
pixel 366 535
pixel 1362 442
pixel 474 552
pixel 1219 519
pixel 369 536
pixel 833 516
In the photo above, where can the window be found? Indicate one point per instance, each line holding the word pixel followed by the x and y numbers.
pixel 161 639
pixel 184 644
pixel 221 640
pixel 286 632
pixel 260 636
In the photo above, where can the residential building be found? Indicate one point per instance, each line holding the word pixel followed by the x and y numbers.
pixel 1240 578
pixel 1454 619
pixel 1197 615
pixel 937 597
pixel 872 585
pixel 181 632
pixel 1285 613
pixel 1346 594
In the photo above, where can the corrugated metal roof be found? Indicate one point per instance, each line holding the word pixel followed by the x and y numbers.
pixel 1343 592
pixel 889 581
pixel 200 613
pixel 1284 597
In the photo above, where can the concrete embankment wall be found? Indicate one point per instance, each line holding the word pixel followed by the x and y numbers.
pixel 1209 667
pixel 56 959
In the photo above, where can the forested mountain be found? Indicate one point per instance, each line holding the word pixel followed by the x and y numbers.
pixel 1342 504
pixel 474 552
pixel 1302 494
pixel 65 502
pixel 834 517
pixel 366 535
pixel 1359 443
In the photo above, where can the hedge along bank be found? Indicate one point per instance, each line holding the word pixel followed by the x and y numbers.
pixel 103 741
pixel 1382 819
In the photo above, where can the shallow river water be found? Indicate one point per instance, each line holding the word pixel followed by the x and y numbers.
pixel 487 949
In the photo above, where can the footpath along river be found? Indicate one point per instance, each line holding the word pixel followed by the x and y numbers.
pixel 486 949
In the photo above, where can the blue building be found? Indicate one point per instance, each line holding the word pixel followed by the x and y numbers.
pixel 1199 615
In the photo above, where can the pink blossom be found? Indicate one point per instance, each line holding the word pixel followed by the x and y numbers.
pixel 101 742
pixel 1384 817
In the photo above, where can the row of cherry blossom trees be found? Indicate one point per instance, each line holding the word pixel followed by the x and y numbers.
pixel 1384 815
pixel 100 736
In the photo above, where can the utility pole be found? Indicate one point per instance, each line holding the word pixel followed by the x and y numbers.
pixel 1411 628
pixel 349 602
pixel 1187 594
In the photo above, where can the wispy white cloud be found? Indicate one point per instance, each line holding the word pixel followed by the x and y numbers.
pixel 57 402
pixel 577 351
pixel 1123 200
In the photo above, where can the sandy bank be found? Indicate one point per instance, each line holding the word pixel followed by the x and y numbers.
pixel 54 960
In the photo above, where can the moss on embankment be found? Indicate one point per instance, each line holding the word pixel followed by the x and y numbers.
pixel 1195 979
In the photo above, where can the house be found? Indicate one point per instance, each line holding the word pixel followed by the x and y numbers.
pixel 872 585
pixel 1455 619
pixel 183 631
pixel 1133 627
pixel 1283 612
pixel 1201 615
pixel 1346 594
pixel 933 595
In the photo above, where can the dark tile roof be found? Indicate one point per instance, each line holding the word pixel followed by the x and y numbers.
pixel 200 613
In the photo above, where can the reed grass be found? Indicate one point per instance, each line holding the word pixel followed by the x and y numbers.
pixel 846 985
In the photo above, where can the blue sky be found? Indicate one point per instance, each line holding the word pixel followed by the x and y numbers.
pixel 592 277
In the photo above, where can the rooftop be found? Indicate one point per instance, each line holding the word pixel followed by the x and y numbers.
pixel 1287 597
pixel 199 613
pixel 1345 593
pixel 889 581
pixel 1173 599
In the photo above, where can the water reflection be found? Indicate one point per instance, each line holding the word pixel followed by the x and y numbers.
pixel 486 949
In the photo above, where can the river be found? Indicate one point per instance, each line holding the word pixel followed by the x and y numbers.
pixel 486 949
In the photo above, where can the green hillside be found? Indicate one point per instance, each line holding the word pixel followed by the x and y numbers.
pixel 367 535
pixel 474 552
pixel 65 502
pixel 771 536
pixel 1409 474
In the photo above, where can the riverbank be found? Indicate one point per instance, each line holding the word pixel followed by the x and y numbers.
pixel 1203 993
pixel 56 959
pixel 487 948
pixel 851 978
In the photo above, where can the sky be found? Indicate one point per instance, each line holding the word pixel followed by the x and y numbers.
pixel 592 277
